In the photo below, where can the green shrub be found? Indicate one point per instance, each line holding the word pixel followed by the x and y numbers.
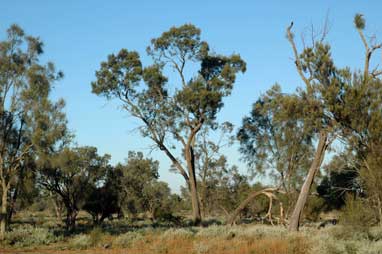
pixel 375 233
pixel 128 239
pixel 201 248
pixel 96 236
pixel 349 233
pixel 81 241
pixel 357 213
pixel 178 233
pixel 28 235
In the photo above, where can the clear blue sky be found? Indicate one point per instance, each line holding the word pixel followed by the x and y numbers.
pixel 80 34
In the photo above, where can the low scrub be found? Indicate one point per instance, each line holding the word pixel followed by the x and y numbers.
pixel 27 235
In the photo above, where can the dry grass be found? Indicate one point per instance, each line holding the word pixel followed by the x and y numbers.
pixel 244 239
pixel 214 240
pixel 182 246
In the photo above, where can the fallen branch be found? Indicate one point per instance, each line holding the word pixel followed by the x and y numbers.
pixel 268 192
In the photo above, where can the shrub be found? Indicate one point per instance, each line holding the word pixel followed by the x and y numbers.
pixel 201 248
pixel 178 233
pixel 81 241
pixel 375 233
pixel 93 239
pixel 28 235
pixel 349 233
pixel 127 240
pixel 357 213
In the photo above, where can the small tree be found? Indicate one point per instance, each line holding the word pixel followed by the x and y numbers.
pixel 136 174
pixel 157 200
pixel 71 174
pixel 101 203
pixel 276 143
pixel 178 114
pixel 211 165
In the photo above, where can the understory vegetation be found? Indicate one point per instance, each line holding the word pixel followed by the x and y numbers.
pixel 145 237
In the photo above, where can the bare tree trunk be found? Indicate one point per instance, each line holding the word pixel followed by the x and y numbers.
pixel 196 215
pixel 203 198
pixel 3 214
pixel 282 217
pixel 304 193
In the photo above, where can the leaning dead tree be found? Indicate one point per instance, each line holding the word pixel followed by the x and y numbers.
pixel 270 194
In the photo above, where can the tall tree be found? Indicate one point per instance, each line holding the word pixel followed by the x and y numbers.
pixel 176 114
pixel 329 97
pixel 25 85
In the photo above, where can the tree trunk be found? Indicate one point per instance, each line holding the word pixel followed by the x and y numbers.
pixel 71 219
pixel 304 193
pixel 58 211
pixel 58 207
pixel 379 204
pixel 3 214
pixel 196 215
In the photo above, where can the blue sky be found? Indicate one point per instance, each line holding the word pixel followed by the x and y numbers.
pixel 80 34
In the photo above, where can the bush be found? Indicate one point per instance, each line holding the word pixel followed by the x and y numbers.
pixel 375 233
pixel 201 248
pixel 178 233
pixel 81 241
pixel 28 235
pixel 127 240
pixel 357 213
pixel 93 239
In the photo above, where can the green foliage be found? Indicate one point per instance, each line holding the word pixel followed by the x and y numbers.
pixel 177 116
pixel 197 100
pixel 81 241
pixel 136 174
pixel 178 233
pixel 30 122
pixel 357 213
pixel 95 238
pixel 274 140
pixel 359 21
pixel 128 239
pixel 71 173
pixel 338 183
pixel 27 236
pixel 104 201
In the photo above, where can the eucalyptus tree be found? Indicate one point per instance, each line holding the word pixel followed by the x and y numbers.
pixel 172 115
pixel 25 86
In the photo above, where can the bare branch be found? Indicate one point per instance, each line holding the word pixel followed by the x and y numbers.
pixel 297 60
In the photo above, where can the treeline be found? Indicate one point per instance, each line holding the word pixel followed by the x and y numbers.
pixel 284 139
